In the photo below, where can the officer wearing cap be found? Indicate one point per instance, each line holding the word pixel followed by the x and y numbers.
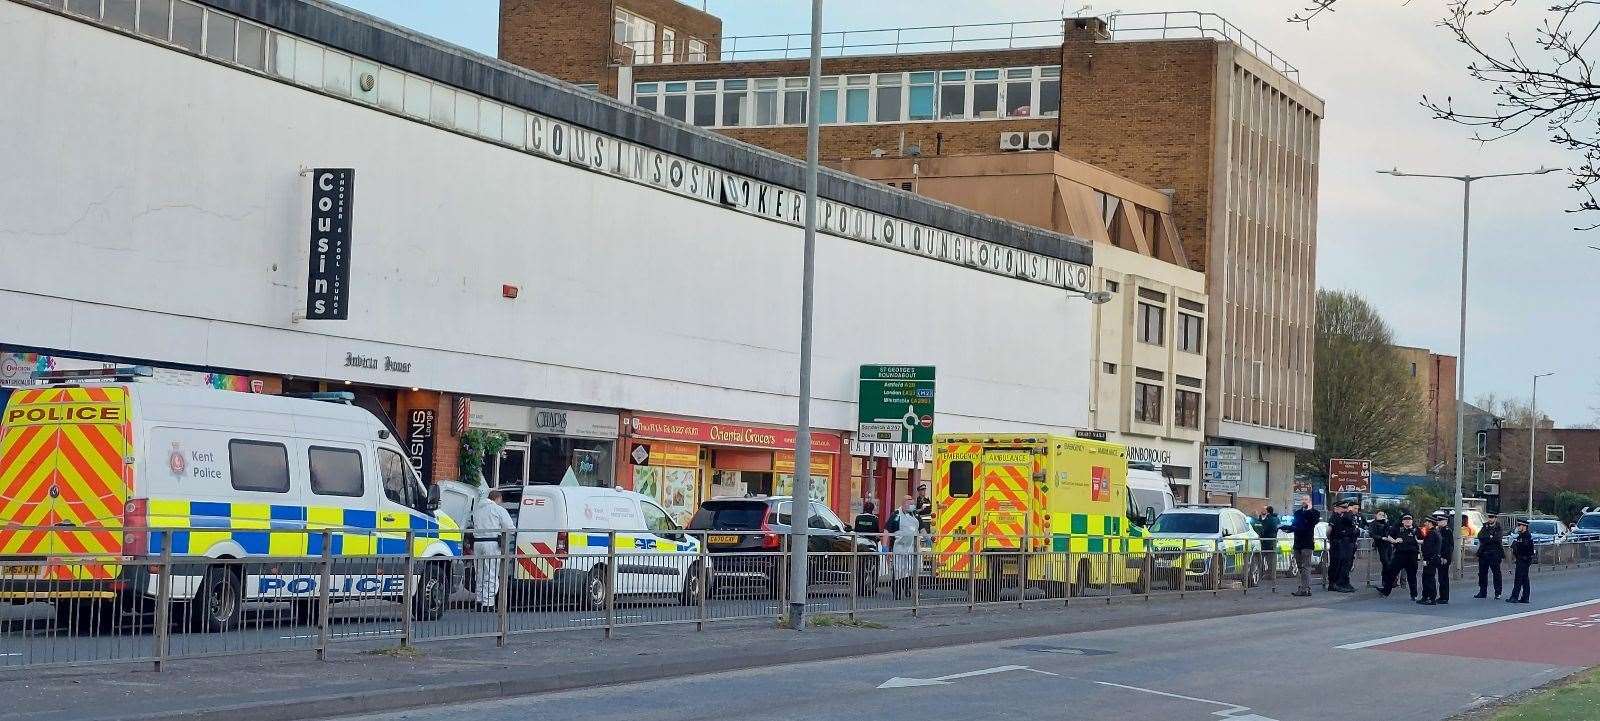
pixel 1447 551
pixel 1430 562
pixel 1403 539
pixel 1343 536
pixel 1522 555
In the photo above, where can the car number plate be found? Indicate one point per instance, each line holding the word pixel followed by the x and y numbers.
pixel 722 539
pixel 20 571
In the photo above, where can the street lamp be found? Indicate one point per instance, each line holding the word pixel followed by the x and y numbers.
pixel 1461 359
pixel 798 531
pixel 1533 431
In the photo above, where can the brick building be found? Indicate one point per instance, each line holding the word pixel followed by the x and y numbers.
pixel 1435 378
pixel 1565 459
pixel 1225 132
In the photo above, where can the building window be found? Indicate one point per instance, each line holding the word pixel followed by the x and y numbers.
pixel 705 103
pixel 921 99
pixel 857 90
pixel 187 21
pixel 589 87
pixel 1049 92
pixel 1189 332
pixel 888 105
pixel 637 33
pixel 1555 454
pixel 985 94
pixel 1111 369
pixel 1146 403
pixel 644 96
pixel 952 95
pixel 735 99
pixel 669 45
pixel 1152 321
pixel 1019 92
pixel 794 101
pixel 1186 408
pixel 1483 443
pixel 766 102
pixel 1113 286
pixel 828 101
pixel 675 102
pixel 697 50
pixel 154 18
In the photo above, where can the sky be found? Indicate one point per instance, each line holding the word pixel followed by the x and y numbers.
pixel 1397 241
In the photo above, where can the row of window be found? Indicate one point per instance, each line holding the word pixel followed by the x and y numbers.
pixel 1033 92
pixel 1147 406
pixel 182 23
pixel 263 467
pixel 1552 453
pixel 639 34
pixel 1151 323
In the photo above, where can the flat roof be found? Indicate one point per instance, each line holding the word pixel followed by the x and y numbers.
pixel 383 42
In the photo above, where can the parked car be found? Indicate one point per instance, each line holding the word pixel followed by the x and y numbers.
pixel 749 558
pixel 1189 539
pixel 1285 562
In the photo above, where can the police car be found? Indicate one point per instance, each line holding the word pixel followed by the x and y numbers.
pixel 1190 539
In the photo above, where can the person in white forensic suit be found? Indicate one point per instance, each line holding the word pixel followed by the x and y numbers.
pixel 490 522
pixel 902 528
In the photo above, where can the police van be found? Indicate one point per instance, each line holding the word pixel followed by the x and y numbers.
pixel 94 474
pixel 563 538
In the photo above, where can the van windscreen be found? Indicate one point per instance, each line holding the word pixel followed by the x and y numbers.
pixel 736 516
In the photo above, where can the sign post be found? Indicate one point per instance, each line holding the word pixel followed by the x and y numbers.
pixel 1223 469
pixel 895 404
pixel 1350 475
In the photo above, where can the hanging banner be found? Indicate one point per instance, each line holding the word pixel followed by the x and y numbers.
pixel 328 277
pixel 419 442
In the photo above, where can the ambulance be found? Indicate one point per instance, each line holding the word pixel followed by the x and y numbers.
pixel 996 494
pixel 98 470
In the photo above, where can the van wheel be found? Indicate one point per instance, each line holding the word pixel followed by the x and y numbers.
pixel 431 597
pixel 596 590
pixel 217 605
pixel 691 587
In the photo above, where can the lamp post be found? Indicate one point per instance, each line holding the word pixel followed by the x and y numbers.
pixel 1461 359
pixel 1533 434
pixel 798 531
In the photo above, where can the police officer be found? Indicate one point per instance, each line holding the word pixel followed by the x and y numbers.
pixel 1522 554
pixel 1379 530
pixel 1403 540
pixel 1447 552
pixel 1430 561
pixel 1343 534
pixel 1491 551
pixel 490 523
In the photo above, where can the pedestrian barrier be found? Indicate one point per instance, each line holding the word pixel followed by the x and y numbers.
pixel 74 609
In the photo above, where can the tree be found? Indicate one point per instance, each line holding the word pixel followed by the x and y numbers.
pixel 1540 79
pixel 1366 405
pixel 1568 505
pixel 1425 498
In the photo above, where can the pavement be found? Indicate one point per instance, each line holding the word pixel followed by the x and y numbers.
pixel 1365 658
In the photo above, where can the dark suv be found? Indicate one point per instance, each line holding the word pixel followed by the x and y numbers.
pixel 752 560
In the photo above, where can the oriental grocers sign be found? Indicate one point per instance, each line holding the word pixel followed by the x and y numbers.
pixel 678 175
pixel 718 433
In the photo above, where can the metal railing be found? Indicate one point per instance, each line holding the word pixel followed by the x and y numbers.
pixel 80 609
pixel 893 41
pixel 1194 24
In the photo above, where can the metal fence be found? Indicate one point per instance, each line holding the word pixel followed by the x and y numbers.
pixel 70 609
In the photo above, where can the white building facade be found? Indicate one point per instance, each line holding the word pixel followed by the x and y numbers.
pixel 509 243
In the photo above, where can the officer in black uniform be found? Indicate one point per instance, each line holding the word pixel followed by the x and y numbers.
pixel 1491 551
pixel 1447 555
pixel 1343 534
pixel 1430 562
pixel 1522 554
pixel 1403 539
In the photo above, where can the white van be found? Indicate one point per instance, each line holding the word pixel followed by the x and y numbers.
pixel 1152 494
pixel 562 544
pixel 211 474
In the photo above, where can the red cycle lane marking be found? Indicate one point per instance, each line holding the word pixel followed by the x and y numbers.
pixel 1563 637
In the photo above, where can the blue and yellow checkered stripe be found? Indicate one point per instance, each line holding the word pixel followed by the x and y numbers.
pixel 1095 533
pixel 595 543
pixel 355 532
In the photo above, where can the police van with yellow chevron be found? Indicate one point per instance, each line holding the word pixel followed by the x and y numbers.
pixel 1064 497
pixel 100 476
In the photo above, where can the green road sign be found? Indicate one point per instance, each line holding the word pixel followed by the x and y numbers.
pixel 896 404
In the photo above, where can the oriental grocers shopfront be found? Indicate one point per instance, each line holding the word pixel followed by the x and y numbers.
pixel 683 461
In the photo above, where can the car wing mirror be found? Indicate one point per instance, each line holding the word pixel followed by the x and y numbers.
pixel 433 497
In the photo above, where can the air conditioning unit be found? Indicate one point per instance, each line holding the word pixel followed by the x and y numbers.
pixel 1016 140
pixel 1491 489
pixel 1041 140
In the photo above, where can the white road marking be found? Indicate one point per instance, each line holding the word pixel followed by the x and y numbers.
pixel 902 682
pixel 1459 626
pixel 1230 710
